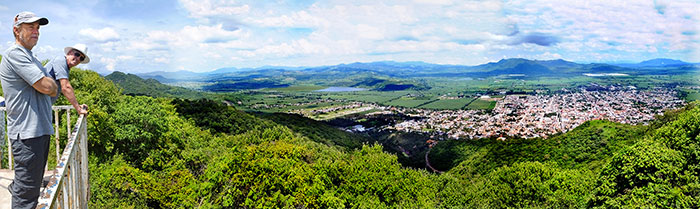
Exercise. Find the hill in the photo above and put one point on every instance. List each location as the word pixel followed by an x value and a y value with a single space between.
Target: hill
pixel 659 62
pixel 137 86
pixel 170 77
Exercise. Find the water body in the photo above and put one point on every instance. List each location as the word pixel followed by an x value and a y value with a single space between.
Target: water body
pixel 341 89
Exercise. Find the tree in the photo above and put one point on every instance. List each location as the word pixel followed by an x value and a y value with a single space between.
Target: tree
pixel 648 174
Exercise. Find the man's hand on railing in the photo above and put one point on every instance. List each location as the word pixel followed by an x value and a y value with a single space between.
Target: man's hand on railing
pixel 83 109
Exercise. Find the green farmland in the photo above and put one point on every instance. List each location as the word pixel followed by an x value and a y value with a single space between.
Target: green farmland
pixel 481 104
pixel 448 104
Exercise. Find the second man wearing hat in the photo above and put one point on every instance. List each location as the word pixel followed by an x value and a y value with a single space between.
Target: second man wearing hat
pixel 59 69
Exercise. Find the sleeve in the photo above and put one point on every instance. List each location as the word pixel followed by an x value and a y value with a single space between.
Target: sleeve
pixel 24 66
pixel 61 68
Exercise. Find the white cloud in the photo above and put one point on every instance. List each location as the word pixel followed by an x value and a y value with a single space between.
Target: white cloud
pixel 48 50
pixel 298 19
pixel 112 63
pixel 548 56
pixel 109 63
pixel 249 33
pixel 438 2
pixel 628 27
pixel 100 35
pixel 161 60
pixel 209 8
pixel 369 32
pixel 188 36
pixel 124 57
pixel 296 47
pixel 359 28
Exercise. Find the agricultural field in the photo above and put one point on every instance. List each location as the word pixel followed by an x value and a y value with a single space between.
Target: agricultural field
pixel 408 102
pixel 378 97
pixel 481 104
pixel 340 113
pixel 448 104
pixel 695 96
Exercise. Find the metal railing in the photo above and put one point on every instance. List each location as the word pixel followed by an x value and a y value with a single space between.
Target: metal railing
pixel 68 185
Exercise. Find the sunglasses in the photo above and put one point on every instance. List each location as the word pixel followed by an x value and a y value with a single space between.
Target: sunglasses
pixel 77 54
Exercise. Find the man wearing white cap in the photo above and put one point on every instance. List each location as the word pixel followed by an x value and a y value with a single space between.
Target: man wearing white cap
pixel 28 92
pixel 59 69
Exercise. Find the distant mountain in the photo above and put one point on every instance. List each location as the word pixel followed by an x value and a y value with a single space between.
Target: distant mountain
pixel 230 70
pixel 404 73
pixel 558 63
pixel 660 62
pixel 225 70
pixel 515 66
pixel 170 77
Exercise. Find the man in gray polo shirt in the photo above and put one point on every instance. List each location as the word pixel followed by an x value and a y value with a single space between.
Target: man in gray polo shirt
pixel 28 93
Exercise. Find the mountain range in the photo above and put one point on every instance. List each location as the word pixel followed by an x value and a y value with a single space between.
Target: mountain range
pixel 512 66
pixel 660 62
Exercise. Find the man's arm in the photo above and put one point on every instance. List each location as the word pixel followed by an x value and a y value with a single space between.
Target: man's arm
pixel 46 86
pixel 26 67
pixel 67 90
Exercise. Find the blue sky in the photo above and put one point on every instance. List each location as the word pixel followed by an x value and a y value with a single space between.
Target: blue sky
pixel 138 36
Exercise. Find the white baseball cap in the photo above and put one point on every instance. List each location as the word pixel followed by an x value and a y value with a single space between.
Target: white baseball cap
pixel 29 17
pixel 81 48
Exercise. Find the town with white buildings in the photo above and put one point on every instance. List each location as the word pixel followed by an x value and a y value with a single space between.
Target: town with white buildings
pixel 529 116
pixel 514 116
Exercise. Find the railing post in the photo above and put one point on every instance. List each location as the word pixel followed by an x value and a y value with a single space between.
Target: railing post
pixel 68 123
pixel 84 174
pixel 6 138
pixel 56 136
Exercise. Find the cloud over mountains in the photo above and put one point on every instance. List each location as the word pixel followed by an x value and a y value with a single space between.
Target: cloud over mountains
pixel 209 34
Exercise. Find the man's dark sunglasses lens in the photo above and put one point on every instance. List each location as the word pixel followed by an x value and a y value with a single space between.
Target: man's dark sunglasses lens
pixel 77 54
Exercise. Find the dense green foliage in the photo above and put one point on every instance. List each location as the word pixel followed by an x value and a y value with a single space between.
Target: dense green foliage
pixel 316 131
pixel 660 171
pixel 167 153
pixel 218 117
pixel 588 146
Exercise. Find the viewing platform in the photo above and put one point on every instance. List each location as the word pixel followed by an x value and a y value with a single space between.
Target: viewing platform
pixel 6 176
pixel 67 185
